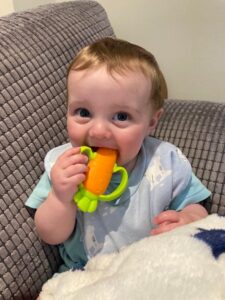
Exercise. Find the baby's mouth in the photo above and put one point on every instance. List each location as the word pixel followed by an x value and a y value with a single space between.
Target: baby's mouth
pixel 94 149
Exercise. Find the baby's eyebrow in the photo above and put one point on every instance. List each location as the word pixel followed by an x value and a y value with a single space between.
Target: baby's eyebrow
pixel 79 102
pixel 127 108
pixel 74 103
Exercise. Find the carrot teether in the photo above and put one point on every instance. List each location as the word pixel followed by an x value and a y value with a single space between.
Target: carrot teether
pixel 102 164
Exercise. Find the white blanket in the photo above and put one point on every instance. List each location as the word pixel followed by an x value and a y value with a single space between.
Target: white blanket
pixel 187 263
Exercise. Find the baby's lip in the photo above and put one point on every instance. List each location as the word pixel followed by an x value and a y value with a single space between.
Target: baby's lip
pixel 95 148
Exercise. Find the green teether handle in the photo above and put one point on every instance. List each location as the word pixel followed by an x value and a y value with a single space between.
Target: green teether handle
pixel 121 187
pixel 87 150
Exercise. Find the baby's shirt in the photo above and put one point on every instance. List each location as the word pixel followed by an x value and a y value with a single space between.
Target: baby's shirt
pixel 162 179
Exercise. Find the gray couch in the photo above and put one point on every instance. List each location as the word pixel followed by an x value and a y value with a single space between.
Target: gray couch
pixel 36 48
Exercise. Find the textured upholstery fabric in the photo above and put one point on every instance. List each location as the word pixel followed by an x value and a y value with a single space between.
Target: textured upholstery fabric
pixel 198 128
pixel 35 49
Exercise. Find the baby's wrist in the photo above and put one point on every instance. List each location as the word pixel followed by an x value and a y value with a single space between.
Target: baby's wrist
pixel 61 201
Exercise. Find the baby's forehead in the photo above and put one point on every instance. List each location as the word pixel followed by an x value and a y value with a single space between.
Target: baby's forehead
pixel 128 83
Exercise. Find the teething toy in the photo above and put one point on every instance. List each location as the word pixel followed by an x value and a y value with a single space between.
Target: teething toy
pixel 102 164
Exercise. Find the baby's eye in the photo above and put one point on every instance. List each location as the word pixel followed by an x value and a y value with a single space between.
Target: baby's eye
pixel 121 116
pixel 82 112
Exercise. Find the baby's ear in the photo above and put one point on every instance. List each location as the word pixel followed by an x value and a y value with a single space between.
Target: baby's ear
pixel 155 119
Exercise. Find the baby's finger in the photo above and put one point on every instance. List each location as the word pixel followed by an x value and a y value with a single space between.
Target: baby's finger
pixel 77 179
pixel 163 228
pixel 166 216
pixel 75 170
pixel 76 159
pixel 70 152
pixel 73 159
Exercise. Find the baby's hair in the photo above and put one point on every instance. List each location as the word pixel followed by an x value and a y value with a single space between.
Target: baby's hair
pixel 120 56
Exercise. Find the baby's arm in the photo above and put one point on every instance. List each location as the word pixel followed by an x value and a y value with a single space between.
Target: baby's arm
pixel 170 219
pixel 56 216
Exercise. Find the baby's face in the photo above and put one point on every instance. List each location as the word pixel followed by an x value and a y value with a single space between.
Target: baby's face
pixel 110 111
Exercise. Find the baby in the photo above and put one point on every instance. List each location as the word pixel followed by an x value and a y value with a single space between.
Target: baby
pixel 116 93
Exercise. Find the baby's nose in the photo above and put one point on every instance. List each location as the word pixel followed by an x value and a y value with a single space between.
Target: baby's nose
pixel 100 130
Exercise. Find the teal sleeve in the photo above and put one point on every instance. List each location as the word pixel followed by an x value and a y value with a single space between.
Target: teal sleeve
pixel 194 192
pixel 40 192
pixel 72 251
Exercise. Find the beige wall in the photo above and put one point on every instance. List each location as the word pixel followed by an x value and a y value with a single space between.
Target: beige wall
pixel 186 36
pixel 25 4
pixel 6 7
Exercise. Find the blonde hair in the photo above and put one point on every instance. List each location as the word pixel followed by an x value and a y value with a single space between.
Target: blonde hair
pixel 120 56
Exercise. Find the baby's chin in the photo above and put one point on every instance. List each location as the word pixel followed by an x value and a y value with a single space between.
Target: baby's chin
pixel 129 166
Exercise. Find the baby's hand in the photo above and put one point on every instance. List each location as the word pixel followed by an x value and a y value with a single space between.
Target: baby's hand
pixel 67 173
pixel 170 219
